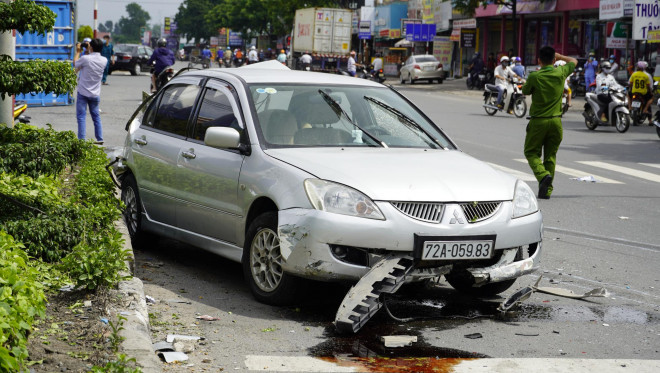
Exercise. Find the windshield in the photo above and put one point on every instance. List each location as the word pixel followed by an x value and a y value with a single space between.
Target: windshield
pixel 123 48
pixel 425 59
pixel 312 115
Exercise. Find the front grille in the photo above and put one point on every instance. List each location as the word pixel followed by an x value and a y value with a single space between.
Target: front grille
pixel 430 212
pixel 479 211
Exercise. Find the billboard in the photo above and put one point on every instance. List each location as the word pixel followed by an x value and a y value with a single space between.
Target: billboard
pixel 646 17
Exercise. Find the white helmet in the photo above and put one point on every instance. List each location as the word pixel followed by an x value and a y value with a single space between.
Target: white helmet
pixel 504 58
pixel 560 63
pixel 253 47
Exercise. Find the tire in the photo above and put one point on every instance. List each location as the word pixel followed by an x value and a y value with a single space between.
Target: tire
pixel 622 121
pixel 410 79
pixel 440 81
pixel 591 122
pixel 190 65
pixel 463 285
pixel 636 117
pixel 491 100
pixel 132 213
pixel 401 80
pixel 136 70
pixel 469 84
pixel 573 92
pixel 657 130
pixel 520 107
pixel 262 263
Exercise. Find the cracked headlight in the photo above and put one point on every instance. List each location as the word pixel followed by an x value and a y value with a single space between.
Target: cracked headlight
pixel 340 199
pixel 524 200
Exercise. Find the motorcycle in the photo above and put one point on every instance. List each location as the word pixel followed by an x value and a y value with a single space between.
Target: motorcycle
pixel 226 62
pixel 637 106
pixel 19 112
pixel 477 81
pixel 512 99
pixel 238 62
pixel 564 101
pixel 656 121
pixel 599 112
pixel 577 84
pixel 164 77
pixel 377 75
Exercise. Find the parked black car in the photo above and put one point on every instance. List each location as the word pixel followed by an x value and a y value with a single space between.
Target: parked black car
pixel 131 57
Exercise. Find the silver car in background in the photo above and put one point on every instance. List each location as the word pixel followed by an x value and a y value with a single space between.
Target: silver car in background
pixel 421 67
pixel 310 175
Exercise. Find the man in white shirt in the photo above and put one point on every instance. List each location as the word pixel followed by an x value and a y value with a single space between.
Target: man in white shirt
pixel 253 55
pixel 350 67
pixel 502 73
pixel 91 67
pixel 605 78
pixel 305 60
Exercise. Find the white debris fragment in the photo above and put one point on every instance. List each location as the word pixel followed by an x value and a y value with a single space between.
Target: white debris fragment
pixel 87 303
pixel 588 179
pixel 624 217
pixel 150 299
pixel 398 340
pixel 171 357
pixel 172 337
pixel 185 346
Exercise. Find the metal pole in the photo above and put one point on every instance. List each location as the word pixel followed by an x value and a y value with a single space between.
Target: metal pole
pixel 7 40
pixel 96 21
pixel 515 34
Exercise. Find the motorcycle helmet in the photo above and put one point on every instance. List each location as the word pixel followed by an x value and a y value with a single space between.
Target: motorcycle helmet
pixel 162 42
pixel 228 48
pixel 606 66
pixel 282 51
pixel 642 65
pixel 504 58
pixel 518 59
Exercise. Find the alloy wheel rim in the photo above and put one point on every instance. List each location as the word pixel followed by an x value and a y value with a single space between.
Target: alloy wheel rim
pixel 138 69
pixel 131 212
pixel 266 260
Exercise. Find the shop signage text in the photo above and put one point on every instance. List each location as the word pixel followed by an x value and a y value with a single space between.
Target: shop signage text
pixel 646 17
pixel 614 9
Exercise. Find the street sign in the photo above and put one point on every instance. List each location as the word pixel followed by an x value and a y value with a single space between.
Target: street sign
pixel 646 17
pixel 420 32
pixel 365 30
pixel 468 37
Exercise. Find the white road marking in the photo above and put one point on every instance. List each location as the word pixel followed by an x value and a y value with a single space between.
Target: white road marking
pixel 519 174
pixel 577 173
pixel 624 170
pixel 503 365
pixel 656 165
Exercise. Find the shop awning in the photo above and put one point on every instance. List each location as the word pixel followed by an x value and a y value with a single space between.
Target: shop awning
pixel 403 43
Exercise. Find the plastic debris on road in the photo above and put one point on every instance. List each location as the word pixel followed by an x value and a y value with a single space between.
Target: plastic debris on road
pixel 150 299
pixel 524 293
pixel 398 340
pixel 171 337
pixel 588 179
pixel 173 356
pixel 162 346
pixel 474 336
pixel 207 318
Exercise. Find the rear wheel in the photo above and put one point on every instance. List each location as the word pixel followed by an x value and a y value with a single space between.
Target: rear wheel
pixel 262 263
pixel 440 81
pixel 410 79
pixel 133 211
pixel 492 101
pixel 520 107
pixel 401 80
pixel 636 117
pixel 590 118
pixel 136 69
pixel 622 121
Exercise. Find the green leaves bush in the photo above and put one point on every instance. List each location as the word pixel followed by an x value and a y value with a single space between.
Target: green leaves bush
pixel 26 16
pixel 21 300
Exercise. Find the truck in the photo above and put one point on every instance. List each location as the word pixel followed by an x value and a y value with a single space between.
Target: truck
pixel 325 33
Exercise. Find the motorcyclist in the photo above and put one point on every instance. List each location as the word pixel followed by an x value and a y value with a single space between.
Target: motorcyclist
pixel 567 88
pixel 282 56
pixel 604 81
pixel 219 55
pixel 377 64
pixel 615 66
pixel 253 55
pixel 227 56
pixel 163 58
pixel 519 69
pixel 238 57
pixel 502 74
pixel 641 83
pixel 476 64
pixel 305 60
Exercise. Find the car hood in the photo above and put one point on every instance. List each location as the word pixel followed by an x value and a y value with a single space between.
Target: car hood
pixel 390 174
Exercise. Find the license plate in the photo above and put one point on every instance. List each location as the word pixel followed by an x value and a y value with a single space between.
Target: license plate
pixel 636 104
pixel 454 248
pixel 482 76
pixel 428 68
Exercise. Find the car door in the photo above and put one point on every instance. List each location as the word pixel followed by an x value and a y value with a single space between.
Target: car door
pixel 210 176
pixel 156 145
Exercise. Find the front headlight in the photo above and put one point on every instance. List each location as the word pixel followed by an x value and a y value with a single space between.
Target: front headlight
pixel 524 200
pixel 340 199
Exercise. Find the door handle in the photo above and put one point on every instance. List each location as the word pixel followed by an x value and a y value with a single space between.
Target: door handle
pixel 189 155
pixel 140 141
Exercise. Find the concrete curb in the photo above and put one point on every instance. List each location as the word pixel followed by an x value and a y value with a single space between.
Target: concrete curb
pixel 137 337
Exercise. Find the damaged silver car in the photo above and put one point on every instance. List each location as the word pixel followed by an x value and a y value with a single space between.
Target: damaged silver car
pixel 297 174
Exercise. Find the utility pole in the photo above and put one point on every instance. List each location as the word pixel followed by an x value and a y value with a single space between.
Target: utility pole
pixel 515 34
pixel 7 41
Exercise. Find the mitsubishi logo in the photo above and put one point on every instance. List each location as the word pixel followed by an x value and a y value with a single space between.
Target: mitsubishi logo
pixel 457 218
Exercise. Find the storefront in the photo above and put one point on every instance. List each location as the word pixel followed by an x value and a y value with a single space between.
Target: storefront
pixel 387 32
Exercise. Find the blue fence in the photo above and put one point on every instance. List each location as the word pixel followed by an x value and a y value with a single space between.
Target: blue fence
pixel 59 44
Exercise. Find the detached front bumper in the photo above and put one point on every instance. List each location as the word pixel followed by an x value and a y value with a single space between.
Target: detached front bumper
pixel 309 240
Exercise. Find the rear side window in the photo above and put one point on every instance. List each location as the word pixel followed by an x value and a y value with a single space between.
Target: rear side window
pixel 175 108
pixel 215 111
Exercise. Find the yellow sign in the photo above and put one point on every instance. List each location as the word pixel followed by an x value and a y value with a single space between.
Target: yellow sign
pixel 395 33
pixel 653 36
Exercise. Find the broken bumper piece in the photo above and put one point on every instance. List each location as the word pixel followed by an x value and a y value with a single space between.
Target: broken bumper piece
pixel 363 300
pixel 507 268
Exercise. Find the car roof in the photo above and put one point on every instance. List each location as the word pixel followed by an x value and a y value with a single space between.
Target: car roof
pixel 274 72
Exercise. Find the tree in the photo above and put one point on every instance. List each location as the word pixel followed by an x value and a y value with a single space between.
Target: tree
pixel 106 27
pixel 190 19
pixel 85 31
pixel 130 27
pixel 155 30
pixel 35 75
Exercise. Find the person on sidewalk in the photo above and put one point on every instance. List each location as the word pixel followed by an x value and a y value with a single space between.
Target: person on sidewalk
pixel 544 131
pixel 91 67
pixel 107 52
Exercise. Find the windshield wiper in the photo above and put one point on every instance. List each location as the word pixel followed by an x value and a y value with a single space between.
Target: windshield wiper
pixel 339 111
pixel 406 120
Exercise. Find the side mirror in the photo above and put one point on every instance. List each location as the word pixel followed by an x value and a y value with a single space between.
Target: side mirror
pixel 222 137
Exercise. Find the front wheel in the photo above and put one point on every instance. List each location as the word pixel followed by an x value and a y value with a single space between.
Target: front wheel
pixel 590 118
pixel 136 69
pixel 491 100
pixel 622 122
pixel 520 107
pixel 262 263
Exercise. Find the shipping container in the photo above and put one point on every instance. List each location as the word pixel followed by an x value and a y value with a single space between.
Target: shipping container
pixel 322 31
pixel 58 44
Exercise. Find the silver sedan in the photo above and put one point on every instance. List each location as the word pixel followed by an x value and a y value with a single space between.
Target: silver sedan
pixel 309 175
pixel 421 67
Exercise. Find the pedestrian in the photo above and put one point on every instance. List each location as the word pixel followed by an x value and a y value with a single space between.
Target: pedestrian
pixel 350 66
pixel 91 67
pixel 590 68
pixel 544 130
pixel 107 52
